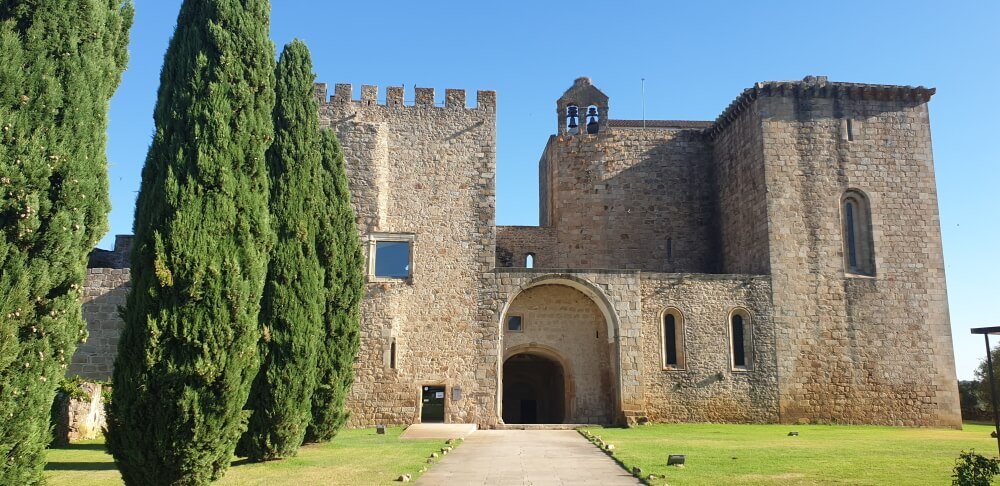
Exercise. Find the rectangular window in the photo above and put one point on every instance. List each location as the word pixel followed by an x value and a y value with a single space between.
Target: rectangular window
pixel 392 259
pixel 390 256
pixel 515 323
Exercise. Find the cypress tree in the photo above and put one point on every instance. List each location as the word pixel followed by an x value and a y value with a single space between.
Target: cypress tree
pixel 340 254
pixel 60 63
pixel 188 351
pixel 292 305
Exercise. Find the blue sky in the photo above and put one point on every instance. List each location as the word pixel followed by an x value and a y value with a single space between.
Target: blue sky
pixel 695 56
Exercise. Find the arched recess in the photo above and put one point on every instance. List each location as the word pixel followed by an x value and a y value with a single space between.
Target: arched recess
pixel 590 406
pixel 567 389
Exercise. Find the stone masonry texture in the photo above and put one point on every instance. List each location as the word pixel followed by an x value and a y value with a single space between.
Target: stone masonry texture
pixel 700 219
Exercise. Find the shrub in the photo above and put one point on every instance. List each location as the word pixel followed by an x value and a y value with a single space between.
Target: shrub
pixel 973 469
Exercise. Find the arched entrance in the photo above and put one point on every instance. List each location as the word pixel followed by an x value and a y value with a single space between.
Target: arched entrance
pixel 560 356
pixel 534 390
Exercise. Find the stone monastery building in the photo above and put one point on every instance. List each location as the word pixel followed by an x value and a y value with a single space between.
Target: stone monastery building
pixel 782 263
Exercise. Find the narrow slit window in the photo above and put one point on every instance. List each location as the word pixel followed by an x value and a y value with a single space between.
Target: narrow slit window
pixel 670 249
pixel 859 245
pixel 670 330
pixel 673 340
pixel 741 341
pixel 529 261
pixel 392 354
pixel 739 351
pixel 850 130
pixel 852 237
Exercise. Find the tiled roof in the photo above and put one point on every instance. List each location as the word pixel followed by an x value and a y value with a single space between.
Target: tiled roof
pixel 659 124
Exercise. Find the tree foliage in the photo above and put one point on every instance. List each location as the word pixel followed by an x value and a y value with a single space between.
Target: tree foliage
pixel 60 63
pixel 973 469
pixel 188 352
pixel 977 400
pixel 292 305
pixel 340 254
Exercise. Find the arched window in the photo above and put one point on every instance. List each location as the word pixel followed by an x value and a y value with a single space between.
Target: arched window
pixel 740 340
pixel 529 261
pixel 573 119
pixel 859 247
pixel 673 339
pixel 593 119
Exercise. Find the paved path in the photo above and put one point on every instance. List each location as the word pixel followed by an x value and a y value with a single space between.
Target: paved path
pixel 526 457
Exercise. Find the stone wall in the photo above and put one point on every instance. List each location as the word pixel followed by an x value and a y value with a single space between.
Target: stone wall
pixel 707 388
pixel 856 349
pixel 103 293
pixel 742 195
pixel 515 243
pixel 428 171
pixel 632 199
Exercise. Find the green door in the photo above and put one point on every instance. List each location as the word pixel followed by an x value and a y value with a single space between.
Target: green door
pixel 432 409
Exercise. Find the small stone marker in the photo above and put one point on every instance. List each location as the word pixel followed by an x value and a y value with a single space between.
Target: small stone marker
pixel 677 459
pixel 380 429
pixel 793 434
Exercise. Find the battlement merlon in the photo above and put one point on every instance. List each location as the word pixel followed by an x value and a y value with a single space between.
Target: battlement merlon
pixel 394 96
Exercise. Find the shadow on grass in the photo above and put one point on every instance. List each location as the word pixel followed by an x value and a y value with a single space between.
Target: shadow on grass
pixel 80 447
pixel 80 466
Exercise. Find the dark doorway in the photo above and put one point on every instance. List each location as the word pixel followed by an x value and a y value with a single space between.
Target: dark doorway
pixel 534 390
pixel 432 408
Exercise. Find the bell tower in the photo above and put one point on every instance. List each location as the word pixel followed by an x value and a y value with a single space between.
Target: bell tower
pixel 582 109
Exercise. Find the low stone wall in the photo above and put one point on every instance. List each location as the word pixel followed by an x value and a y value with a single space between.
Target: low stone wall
pixel 103 293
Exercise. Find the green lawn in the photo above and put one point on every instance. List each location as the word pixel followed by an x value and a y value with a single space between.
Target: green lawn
pixel 821 454
pixel 354 457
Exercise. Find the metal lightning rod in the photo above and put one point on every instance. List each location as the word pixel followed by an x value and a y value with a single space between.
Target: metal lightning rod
pixel 643 102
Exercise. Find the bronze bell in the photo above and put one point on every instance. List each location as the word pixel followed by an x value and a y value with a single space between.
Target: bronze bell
pixel 592 124
pixel 572 113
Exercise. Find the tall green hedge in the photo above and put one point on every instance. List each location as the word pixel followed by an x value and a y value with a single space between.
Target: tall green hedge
pixel 340 253
pixel 293 293
pixel 60 63
pixel 188 351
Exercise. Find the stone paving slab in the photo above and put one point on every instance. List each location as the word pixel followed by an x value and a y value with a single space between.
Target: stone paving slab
pixel 527 457
pixel 438 431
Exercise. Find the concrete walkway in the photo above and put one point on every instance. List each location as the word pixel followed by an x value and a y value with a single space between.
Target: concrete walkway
pixel 526 457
